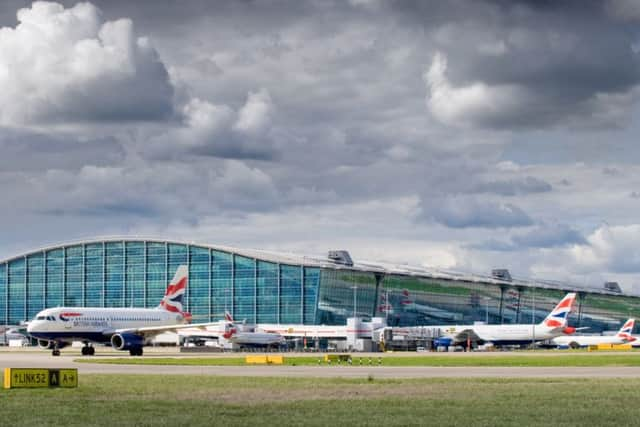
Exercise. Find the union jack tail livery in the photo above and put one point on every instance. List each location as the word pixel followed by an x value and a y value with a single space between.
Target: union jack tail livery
pixel 172 300
pixel 626 330
pixel 385 306
pixel 406 297
pixel 559 317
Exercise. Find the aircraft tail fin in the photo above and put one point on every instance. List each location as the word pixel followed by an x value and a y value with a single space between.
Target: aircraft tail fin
pixel 626 330
pixel 406 297
pixel 173 297
pixel 559 317
pixel 227 316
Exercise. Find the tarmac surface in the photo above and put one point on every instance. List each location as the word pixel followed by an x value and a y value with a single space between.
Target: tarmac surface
pixel 43 359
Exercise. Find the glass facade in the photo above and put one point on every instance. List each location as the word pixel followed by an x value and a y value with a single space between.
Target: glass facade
pixel 415 301
pixel 135 273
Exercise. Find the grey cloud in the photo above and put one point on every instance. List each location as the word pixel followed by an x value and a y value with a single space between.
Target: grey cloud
pixel 611 171
pixel 624 10
pixel 541 236
pixel 219 131
pixel 458 212
pixel 527 185
pixel 566 66
pixel 31 151
pixel 549 237
pixel 492 245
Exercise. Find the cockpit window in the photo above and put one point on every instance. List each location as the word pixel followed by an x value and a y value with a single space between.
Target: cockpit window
pixel 50 318
pixel 40 318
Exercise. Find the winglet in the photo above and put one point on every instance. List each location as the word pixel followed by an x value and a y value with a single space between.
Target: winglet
pixel 227 316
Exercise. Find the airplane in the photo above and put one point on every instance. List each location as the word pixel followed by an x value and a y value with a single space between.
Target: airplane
pixel 124 328
pixel 242 334
pixel 575 341
pixel 408 304
pixel 555 324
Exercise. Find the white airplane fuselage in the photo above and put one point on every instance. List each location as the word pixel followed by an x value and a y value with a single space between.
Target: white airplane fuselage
pixel 67 324
pixel 587 340
pixel 506 334
pixel 256 338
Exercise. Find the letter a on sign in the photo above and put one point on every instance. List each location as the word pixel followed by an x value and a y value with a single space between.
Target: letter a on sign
pixel 54 378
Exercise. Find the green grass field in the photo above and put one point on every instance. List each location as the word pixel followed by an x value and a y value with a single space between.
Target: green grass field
pixel 541 360
pixel 108 400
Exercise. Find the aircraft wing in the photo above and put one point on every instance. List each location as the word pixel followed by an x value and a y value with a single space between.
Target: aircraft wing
pixel 151 331
pixel 462 334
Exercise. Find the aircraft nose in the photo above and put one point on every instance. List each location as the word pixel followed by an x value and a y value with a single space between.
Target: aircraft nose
pixel 33 326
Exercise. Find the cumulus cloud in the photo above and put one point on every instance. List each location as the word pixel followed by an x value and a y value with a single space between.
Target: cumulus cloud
pixel 546 76
pixel 254 116
pixel 614 249
pixel 476 102
pixel 219 131
pixel 71 65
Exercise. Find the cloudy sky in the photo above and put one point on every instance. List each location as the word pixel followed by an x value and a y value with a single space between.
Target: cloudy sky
pixel 460 135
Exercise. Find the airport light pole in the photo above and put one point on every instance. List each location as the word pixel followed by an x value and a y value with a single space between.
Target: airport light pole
pixel 486 312
pixel 533 321
pixel 226 300
pixel 355 300
pixel 386 306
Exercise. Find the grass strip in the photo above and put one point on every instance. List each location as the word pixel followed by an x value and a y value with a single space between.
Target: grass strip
pixel 560 360
pixel 108 400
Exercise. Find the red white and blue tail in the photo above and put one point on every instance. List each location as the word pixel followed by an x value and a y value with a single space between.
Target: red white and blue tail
pixel 172 300
pixel 626 330
pixel 559 317
pixel 406 298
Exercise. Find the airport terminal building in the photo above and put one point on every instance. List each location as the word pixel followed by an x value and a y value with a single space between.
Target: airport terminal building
pixel 266 287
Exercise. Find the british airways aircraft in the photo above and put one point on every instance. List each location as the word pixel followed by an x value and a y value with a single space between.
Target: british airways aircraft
pixel 554 325
pixel 623 336
pixel 239 333
pixel 124 328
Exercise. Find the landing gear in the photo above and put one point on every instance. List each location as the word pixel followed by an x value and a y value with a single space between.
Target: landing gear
pixel 88 350
pixel 137 351
pixel 56 350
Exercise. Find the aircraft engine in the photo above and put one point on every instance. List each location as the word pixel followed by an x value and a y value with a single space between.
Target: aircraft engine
pixel 126 341
pixel 45 344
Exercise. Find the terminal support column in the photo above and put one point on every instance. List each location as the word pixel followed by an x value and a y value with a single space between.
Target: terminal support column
pixel 376 296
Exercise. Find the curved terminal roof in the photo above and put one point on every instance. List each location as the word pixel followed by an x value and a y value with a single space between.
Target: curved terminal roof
pixel 325 262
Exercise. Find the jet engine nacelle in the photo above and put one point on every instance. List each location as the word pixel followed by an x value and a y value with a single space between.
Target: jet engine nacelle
pixel 50 345
pixel 126 341
pixel 45 344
